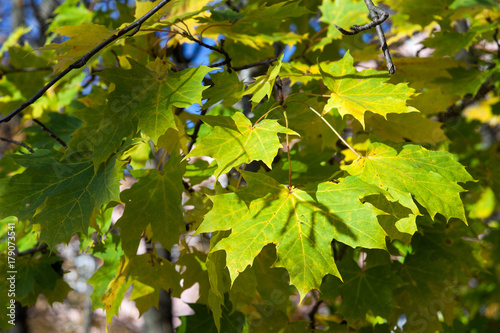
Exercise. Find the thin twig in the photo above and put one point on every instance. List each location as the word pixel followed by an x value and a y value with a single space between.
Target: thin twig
pixel 220 50
pixel 51 134
pixel 330 126
pixel 19 143
pixel 312 314
pixel 268 62
pixel 378 17
pixel 134 27
pixel 336 133
pixel 196 130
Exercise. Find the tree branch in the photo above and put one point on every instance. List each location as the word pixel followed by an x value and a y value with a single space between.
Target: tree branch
pixel 220 50
pixel 51 134
pixel 267 62
pixel 196 130
pixel 134 27
pixel 19 143
pixel 378 16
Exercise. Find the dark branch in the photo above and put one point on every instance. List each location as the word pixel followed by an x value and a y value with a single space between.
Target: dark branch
pixel 267 62
pixel 220 50
pixel 19 143
pixel 51 134
pixel 495 38
pixel 378 16
pixel 312 314
pixel 83 60
pixel 196 130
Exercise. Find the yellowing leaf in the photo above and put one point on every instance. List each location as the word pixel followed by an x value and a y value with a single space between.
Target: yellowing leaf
pixel 412 171
pixel 343 13
pixel 301 222
pixel 356 92
pixel 405 126
pixel 83 38
pixel 150 273
pixel 234 140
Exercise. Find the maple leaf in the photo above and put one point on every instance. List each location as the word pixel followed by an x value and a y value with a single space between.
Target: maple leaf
pixel 409 170
pixel 68 189
pixel 227 87
pixel 234 140
pixel 83 38
pixel 342 13
pixel 405 126
pixel 363 290
pixel 356 92
pixel 263 85
pixel 157 198
pixel 301 222
pixel 110 252
pixel 143 99
pixel 151 95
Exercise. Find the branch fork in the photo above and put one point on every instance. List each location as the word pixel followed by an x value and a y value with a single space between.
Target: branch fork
pixel 378 17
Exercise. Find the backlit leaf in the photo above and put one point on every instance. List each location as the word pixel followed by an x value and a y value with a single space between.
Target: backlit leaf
pixel 355 92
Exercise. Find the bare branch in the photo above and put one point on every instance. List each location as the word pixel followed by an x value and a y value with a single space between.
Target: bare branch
pixel 378 16
pixel 51 134
pixel 19 143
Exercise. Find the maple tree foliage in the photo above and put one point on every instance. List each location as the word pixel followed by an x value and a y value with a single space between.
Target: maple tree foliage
pixel 372 197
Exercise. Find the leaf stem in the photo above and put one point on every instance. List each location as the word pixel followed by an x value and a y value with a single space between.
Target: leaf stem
pixel 51 134
pixel 288 152
pixel 333 129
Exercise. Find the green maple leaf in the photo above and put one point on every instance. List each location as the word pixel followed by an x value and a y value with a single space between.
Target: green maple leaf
pixel 157 199
pixel 355 92
pixel 424 12
pixel 68 189
pixel 152 95
pixel 363 290
pixel 407 171
pixel 142 99
pixel 102 133
pixel 227 87
pixel 234 140
pixel 36 274
pixel 342 13
pixel 218 277
pixel 301 222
